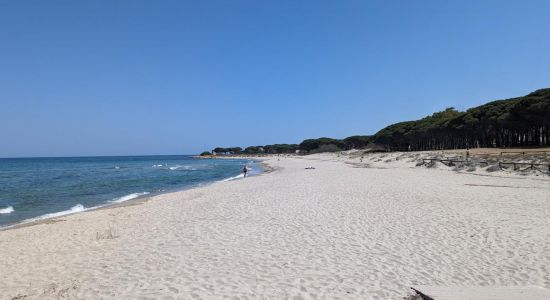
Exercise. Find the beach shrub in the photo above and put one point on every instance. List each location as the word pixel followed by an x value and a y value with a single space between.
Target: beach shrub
pixel 492 168
pixel 206 153
pixel 431 164
pixel 109 234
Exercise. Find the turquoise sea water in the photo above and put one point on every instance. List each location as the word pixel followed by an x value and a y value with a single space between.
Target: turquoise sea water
pixel 34 188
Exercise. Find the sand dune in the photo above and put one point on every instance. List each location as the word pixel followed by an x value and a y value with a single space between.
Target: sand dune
pixel 334 232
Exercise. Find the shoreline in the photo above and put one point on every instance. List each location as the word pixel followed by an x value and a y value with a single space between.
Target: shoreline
pixel 334 231
pixel 265 168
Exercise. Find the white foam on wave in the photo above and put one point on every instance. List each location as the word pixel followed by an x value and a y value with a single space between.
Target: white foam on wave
pixel 75 209
pixel 180 167
pixel 233 178
pixel 7 210
pixel 129 197
pixel 156 166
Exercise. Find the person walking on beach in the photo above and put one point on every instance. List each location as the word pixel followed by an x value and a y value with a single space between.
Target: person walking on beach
pixel 245 170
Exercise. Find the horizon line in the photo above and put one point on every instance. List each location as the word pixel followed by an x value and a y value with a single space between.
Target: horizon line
pixel 76 156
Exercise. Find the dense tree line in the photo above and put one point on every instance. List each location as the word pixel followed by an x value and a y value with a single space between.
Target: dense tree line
pixel 310 145
pixel 357 141
pixel 231 150
pixel 307 146
pixel 325 144
pixel 516 122
pixel 271 149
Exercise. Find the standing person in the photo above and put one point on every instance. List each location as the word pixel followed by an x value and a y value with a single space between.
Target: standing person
pixel 245 170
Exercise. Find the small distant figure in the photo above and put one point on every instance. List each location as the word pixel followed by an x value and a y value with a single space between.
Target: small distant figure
pixel 245 170
pixel 467 153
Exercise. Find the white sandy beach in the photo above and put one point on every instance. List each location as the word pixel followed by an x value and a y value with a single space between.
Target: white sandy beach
pixel 339 231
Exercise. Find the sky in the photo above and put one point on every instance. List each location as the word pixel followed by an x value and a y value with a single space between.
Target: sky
pixel 80 78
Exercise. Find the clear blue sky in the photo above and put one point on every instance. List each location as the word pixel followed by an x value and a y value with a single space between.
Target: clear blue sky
pixel 178 77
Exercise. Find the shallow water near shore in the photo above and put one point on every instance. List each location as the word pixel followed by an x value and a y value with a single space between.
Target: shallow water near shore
pixel 37 188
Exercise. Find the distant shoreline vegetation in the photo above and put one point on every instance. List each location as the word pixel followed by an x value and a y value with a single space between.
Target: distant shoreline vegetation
pixel 516 122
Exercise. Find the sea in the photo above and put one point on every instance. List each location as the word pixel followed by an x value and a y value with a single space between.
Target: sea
pixel 32 189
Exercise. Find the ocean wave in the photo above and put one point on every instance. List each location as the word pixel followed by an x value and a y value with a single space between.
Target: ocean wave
pixel 128 197
pixel 7 210
pixel 233 178
pixel 157 166
pixel 184 167
pixel 77 208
